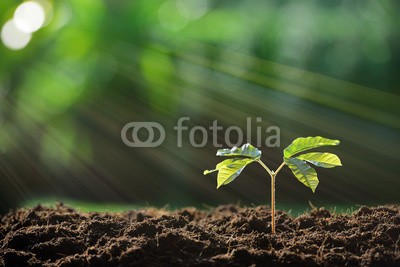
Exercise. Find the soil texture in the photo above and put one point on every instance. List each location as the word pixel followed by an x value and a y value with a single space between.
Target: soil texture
pixel 224 236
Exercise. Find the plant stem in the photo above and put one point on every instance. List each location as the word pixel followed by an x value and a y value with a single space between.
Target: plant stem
pixel 279 168
pixel 273 203
pixel 273 175
pixel 265 167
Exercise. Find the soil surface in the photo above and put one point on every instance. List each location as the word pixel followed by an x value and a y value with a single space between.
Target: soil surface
pixel 226 235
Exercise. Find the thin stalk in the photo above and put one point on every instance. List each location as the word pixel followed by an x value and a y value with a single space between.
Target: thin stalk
pixel 279 168
pixel 265 167
pixel 273 204
pixel 273 175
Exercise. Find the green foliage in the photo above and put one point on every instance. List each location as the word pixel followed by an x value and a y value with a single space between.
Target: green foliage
pixel 231 168
pixel 246 150
pixel 305 143
pixel 303 172
pixel 324 160
pixel 300 169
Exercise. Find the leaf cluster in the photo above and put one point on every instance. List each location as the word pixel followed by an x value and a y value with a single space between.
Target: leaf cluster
pixel 299 164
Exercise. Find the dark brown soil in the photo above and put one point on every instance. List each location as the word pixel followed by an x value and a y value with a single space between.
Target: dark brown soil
pixel 226 235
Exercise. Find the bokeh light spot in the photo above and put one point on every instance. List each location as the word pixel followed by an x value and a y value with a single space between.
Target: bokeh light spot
pixel 12 37
pixel 48 11
pixel 192 9
pixel 29 16
pixel 170 18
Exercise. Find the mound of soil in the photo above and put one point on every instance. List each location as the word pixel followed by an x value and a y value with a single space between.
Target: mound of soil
pixel 226 235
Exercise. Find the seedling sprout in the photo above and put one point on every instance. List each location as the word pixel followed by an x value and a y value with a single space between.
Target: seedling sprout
pixel 240 157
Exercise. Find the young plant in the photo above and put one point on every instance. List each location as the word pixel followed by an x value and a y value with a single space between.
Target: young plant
pixel 231 168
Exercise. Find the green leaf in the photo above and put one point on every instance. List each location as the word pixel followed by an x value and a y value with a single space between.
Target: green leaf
pixel 305 143
pixel 325 160
pixel 247 150
pixel 303 172
pixel 220 165
pixel 229 169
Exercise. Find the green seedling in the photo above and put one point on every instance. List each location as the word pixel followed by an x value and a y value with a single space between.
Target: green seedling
pixel 240 157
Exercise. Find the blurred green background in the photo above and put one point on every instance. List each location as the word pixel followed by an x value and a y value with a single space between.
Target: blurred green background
pixel 327 68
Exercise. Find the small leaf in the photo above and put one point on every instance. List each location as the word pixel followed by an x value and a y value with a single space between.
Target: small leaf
pixel 228 173
pixel 305 143
pixel 229 169
pixel 220 165
pixel 303 172
pixel 325 160
pixel 247 150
